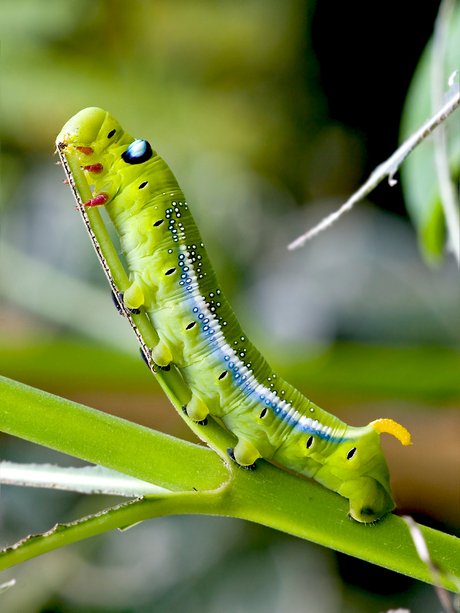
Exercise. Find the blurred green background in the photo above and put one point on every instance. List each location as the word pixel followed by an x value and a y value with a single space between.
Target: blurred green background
pixel 270 114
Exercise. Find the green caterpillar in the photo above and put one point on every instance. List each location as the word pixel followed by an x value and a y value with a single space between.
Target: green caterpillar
pixel 172 278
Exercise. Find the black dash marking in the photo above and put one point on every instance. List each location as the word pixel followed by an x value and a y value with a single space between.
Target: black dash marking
pixel 223 375
pixel 170 271
pixel 263 413
pixel 111 133
pixel 310 442
pixel 351 453
pixel 143 184
pixel 158 223
pixel 190 326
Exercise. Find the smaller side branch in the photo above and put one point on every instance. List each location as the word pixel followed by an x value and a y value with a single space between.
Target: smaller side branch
pixel 388 168
pixel 85 480
pixel 122 516
pixel 436 574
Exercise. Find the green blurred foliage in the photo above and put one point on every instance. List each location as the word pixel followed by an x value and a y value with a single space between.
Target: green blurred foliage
pixel 421 374
pixel 226 92
pixel 205 76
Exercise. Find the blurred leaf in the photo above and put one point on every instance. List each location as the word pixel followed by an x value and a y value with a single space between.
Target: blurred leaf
pixel 424 373
pixel 432 231
pixel 227 94
pixel 418 173
pixel 35 21
pixel 353 370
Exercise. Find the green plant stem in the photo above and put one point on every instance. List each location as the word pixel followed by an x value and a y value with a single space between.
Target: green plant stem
pixel 269 496
pixel 110 441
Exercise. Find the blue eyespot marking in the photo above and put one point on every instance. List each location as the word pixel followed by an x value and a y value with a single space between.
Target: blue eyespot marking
pixel 138 152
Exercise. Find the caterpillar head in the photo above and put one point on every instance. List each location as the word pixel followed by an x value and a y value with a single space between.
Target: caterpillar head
pixel 361 466
pixel 91 129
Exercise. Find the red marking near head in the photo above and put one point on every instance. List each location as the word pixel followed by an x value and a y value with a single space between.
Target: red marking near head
pixel 94 168
pixel 66 181
pixel 85 150
pixel 98 201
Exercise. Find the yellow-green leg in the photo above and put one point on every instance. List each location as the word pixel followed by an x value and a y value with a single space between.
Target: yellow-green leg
pixel 133 298
pixel 244 454
pixel 196 410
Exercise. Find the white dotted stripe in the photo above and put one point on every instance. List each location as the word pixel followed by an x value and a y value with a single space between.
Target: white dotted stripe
pixel 242 376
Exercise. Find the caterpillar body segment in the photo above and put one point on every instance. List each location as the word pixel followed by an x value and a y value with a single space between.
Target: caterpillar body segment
pixel 172 278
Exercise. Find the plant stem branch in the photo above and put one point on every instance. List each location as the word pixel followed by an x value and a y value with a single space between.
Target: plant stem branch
pixel 85 480
pixel 388 168
pixel 107 440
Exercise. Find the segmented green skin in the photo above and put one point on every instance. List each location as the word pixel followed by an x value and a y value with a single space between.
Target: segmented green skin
pixel 168 263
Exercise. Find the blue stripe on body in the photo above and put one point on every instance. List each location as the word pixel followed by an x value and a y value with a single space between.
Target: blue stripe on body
pixel 248 385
